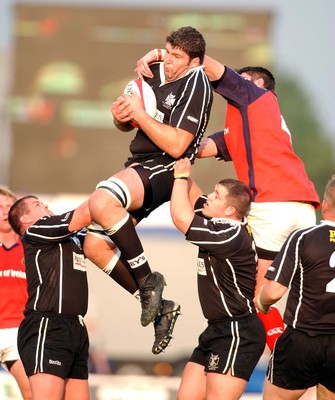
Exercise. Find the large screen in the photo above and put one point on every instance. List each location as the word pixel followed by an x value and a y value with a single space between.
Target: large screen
pixel 70 64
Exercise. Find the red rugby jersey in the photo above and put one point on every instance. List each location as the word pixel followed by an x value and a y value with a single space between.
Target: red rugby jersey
pixel 13 285
pixel 258 142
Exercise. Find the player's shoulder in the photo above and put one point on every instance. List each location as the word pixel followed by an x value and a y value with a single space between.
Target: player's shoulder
pixel 200 71
pixel 302 236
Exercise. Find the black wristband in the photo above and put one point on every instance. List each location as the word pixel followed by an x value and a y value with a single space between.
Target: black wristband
pixel 181 177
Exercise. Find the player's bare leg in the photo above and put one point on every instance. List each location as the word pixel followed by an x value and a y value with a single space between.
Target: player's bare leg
pixel 271 392
pixel 109 206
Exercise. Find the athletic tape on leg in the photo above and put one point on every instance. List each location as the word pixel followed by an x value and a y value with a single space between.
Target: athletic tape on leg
pixel 98 231
pixel 112 262
pixel 118 189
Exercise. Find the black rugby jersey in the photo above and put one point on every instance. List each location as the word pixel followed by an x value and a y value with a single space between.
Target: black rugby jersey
pixel 55 267
pixel 226 267
pixel 185 103
pixel 306 264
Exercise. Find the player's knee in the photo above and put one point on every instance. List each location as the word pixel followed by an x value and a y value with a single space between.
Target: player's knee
pixel 117 189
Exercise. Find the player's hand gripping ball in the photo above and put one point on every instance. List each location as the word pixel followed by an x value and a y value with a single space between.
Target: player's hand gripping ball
pixel 146 94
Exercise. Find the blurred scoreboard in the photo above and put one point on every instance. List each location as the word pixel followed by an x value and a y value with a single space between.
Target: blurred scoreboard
pixel 70 63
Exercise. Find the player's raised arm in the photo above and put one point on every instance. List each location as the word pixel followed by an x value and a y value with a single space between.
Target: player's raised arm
pixel 213 68
pixel 142 68
pixel 181 208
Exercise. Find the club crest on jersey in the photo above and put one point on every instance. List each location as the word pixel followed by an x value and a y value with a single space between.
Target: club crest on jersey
pixel 79 262
pixel 169 101
pixel 213 362
pixel 331 235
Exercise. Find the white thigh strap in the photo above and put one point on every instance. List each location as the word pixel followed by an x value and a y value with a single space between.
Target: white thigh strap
pixel 116 188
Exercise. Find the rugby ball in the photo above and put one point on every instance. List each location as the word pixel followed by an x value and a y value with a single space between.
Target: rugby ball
pixel 146 94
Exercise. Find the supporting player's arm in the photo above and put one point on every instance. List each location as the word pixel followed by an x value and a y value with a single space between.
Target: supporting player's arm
pixel 269 294
pixel 207 148
pixel 180 206
pixel 213 68
pixel 142 68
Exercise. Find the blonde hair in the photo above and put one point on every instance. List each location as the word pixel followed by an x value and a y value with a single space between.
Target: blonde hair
pixel 5 191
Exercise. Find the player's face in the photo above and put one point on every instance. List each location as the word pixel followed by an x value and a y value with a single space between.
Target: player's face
pixel 36 209
pixel 216 205
pixel 5 204
pixel 177 63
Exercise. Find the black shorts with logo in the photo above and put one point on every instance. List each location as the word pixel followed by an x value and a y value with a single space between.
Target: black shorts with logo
pixel 300 361
pixel 231 344
pixel 157 177
pixel 54 344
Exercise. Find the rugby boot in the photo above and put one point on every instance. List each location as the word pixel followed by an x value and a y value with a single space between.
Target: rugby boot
pixel 164 324
pixel 151 297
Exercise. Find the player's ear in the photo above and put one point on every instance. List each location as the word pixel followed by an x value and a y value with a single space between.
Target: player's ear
pixel 324 206
pixel 230 210
pixel 195 62
pixel 259 82
pixel 25 219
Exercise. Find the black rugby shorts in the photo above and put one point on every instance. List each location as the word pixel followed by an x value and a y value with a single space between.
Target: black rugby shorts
pixel 232 344
pixel 56 345
pixel 300 361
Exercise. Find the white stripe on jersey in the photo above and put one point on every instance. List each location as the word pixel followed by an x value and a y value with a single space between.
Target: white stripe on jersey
pixel 61 266
pixel 29 233
pixel 236 285
pixel 297 264
pixel 210 232
pixel 221 294
pixel 282 262
pixel 39 278
pixel 181 118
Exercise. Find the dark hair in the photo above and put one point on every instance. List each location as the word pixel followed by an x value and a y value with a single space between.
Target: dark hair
pixel 239 195
pixel 190 41
pixel 260 72
pixel 18 209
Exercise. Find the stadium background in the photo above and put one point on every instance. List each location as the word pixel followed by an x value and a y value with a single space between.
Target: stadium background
pixel 64 67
